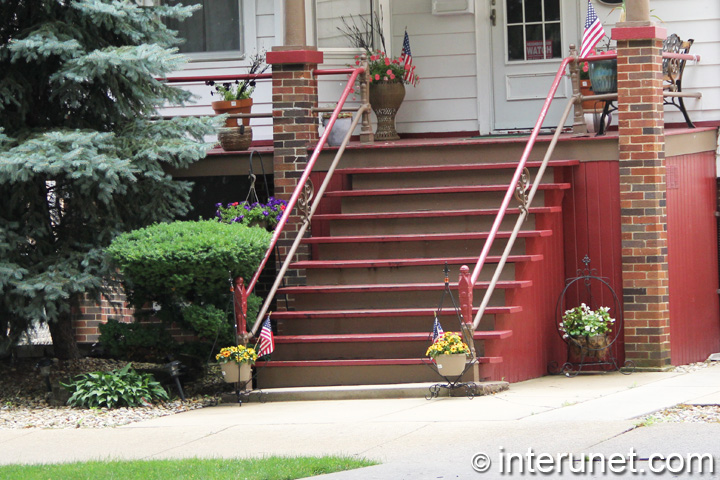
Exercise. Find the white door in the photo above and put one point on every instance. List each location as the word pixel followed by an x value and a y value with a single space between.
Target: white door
pixel 529 40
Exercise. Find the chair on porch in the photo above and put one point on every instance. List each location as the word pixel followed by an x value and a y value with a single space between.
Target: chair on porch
pixel 673 69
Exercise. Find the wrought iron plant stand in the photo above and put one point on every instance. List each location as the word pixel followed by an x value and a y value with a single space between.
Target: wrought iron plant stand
pixel 597 355
pixel 453 383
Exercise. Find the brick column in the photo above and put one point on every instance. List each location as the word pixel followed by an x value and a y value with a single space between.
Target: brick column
pixel 295 127
pixel 642 194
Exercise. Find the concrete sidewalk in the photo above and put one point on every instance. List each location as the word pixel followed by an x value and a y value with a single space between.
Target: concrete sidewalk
pixel 413 438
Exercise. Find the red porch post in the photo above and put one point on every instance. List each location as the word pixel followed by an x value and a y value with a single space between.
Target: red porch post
pixel 643 191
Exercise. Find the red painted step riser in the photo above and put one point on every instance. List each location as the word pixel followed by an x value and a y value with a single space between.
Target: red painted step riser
pixel 430 237
pixel 383 313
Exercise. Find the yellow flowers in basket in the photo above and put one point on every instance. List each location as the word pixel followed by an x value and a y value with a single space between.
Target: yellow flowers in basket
pixel 449 343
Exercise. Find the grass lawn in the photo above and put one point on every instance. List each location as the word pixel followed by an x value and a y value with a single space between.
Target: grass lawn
pixel 269 468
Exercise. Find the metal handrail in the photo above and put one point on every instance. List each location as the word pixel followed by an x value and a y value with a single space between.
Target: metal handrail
pixel 354 73
pixel 515 184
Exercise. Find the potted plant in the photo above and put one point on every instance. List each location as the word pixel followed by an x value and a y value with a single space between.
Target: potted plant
pixel 340 127
pixel 236 97
pixel 256 214
pixel 450 354
pixel 236 363
pixel 587 331
pixel 387 74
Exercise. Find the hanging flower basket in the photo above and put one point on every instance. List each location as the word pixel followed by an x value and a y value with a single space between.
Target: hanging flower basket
pixel 451 365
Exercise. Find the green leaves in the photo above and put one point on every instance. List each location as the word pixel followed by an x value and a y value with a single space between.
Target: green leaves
pixel 119 388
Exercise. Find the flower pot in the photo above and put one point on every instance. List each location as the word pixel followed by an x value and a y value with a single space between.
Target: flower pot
pixel 603 76
pixel 234 106
pixel 233 372
pixel 339 130
pixel 589 106
pixel 233 139
pixel 385 99
pixel 584 348
pixel 451 365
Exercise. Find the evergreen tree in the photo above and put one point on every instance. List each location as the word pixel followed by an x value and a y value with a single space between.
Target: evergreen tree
pixel 81 157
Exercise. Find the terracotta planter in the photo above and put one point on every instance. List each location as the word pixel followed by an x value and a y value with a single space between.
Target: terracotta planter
pixel 385 99
pixel 590 106
pixel 584 349
pixel 234 106
pixel 233 373
pixel 451 365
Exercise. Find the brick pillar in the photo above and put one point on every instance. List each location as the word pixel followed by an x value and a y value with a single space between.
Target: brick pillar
pixel 642 194
pixel 295 127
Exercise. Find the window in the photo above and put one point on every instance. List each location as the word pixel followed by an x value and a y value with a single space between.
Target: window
pixel 214 29
pixel 533 29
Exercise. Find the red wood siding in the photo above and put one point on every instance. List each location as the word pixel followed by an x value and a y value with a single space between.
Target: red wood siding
pixel 534 342
pixel 591 217
pixel 692 257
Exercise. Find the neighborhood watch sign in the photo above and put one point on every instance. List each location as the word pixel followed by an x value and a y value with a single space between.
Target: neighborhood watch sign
pixel 538 49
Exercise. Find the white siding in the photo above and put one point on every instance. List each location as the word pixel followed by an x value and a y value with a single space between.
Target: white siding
pixel 699 20
pixel 265 37
pixel 443 49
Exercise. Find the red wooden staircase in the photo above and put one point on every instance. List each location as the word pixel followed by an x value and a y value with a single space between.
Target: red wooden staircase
pixel 380 241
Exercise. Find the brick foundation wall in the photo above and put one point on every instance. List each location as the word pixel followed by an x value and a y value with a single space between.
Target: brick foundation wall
pixel 90 315
pixel 643 195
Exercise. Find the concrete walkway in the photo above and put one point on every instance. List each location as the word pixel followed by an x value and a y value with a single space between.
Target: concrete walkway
pixel 414 438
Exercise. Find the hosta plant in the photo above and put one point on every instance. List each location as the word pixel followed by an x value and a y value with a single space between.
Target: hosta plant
pixel 118 388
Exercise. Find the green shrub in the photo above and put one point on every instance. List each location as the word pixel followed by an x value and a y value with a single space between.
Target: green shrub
pixel 136 341
pixel 187 262
pixel 119 388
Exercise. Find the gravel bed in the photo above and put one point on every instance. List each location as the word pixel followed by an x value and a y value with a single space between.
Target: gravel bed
pixel 687 413
pixel 25 403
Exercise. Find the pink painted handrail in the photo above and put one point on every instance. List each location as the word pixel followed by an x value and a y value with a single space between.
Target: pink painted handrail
pixel 521 165
pixel 306 174
pixel 218 78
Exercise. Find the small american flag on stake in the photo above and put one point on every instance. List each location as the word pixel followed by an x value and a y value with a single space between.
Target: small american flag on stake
pixel 594 32
pixel 266 342
pixel 406 59
pixel 437 331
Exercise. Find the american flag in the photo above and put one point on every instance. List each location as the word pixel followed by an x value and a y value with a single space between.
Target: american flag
pixel 406 59
pixel 437 331
pixel 594 32
pixel 267 344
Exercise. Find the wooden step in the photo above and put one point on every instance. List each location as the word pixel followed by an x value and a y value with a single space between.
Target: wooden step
pixel 452 167
pixel 431 213
pixel 436 190
pixel 409 262
pixel 384 312
pixel 422 237
pixel 382 337
pixel 398 287
pixel 361 362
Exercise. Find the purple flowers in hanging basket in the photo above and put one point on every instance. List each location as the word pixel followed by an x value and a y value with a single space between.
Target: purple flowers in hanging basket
pixel 251 214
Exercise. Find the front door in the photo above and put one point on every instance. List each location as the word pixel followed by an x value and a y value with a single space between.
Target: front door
pixel 529 40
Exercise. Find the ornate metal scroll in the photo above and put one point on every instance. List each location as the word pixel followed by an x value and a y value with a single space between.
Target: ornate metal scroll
pixel 521 191
pixel 304 200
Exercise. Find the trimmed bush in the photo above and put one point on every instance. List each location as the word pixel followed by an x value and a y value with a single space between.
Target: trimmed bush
pixel 144 342
pixel 188 262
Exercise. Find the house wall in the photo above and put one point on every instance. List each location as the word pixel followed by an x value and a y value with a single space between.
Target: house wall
pixel 692 257
pixel 696 19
